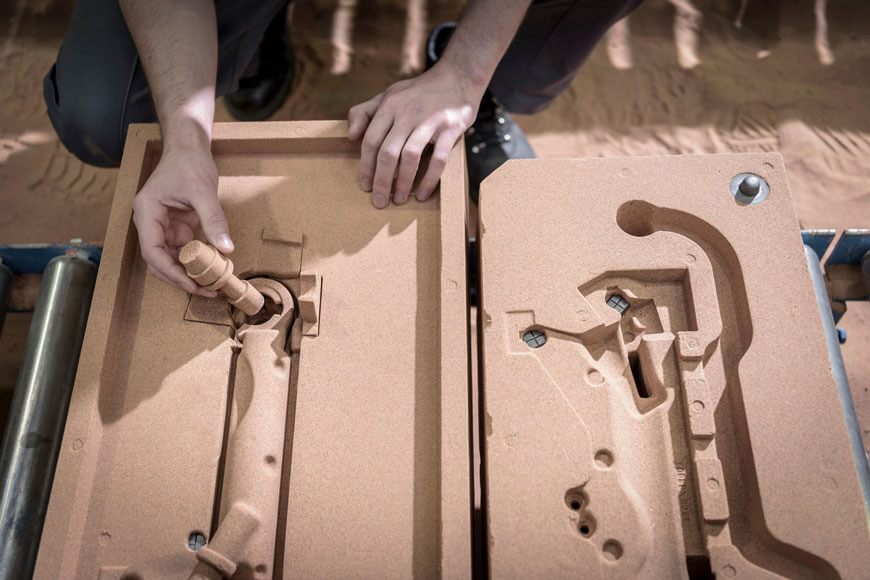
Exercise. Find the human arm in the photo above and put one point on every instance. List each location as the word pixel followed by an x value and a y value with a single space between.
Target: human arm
pixel 177 45
pixel 435 107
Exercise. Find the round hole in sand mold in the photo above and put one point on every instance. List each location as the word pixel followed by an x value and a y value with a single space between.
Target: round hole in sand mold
pixel 603 458
pixel 612 550
pixel 575 499
pixel 270 459
pixel 586 525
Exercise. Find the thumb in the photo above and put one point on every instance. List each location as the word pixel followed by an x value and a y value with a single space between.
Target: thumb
pixel 214 222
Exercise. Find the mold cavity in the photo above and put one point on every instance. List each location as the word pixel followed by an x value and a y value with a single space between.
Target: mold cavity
pixel 603 458
pixel 261 569
pixel 612 550
pixel 269 309
pixel 270 459
pixel 196 541
pixel 576 505
pixel 637 375
pixel 698 568
pixel 635 218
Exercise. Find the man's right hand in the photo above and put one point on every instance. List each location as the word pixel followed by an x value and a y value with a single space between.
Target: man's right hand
pixel 179 195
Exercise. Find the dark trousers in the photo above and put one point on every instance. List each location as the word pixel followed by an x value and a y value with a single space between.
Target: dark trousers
pixel 97 86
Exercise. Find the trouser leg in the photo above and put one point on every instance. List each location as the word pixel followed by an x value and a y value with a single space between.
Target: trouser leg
pixel 553 41
pixel 97 87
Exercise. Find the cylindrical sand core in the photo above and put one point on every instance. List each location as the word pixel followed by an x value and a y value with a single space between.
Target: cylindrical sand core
pixel 214 271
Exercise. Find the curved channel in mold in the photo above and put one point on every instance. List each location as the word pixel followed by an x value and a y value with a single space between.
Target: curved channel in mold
pixel 749 532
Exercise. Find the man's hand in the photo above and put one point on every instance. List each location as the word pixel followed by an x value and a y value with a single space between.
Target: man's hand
pixel 181 193
pixel 435 107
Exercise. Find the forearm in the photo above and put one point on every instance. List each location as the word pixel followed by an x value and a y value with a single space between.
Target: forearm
pixel 177 45
pixel 484 33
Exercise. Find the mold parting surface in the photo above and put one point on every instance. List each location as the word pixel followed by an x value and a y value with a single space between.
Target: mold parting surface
pixel 375 479
pixel 657 394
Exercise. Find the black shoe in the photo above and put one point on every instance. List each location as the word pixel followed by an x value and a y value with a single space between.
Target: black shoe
pixel 493 138
pixel 260 95
pixel 438 42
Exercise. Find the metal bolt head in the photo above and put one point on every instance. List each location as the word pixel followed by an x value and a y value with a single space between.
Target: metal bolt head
pixel 749 188
pixel 535 338
pixel 618 303
pixel 507 137
pixel 196 541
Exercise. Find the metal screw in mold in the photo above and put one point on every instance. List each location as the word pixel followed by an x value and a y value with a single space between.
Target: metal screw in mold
pixel 618 303
pixel 535 338
pixel 196 541
pixel 749 188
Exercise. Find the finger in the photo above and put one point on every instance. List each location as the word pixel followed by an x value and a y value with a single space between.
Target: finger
pixel 359 117
pixel 388 160
pixel 371 145
pixel 437 163
pixel 151 219
pixel 213 220
pixel 410 160
pixel 178 234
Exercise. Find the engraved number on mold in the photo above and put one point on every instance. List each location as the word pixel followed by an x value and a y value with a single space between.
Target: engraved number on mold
pixel 196 541
pixel 618 303
pixel 535 338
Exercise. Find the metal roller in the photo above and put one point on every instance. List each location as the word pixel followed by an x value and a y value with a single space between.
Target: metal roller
pixel 39 407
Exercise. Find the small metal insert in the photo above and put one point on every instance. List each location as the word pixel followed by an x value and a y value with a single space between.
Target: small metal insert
pixel 749 188
pixel 618 303
pixel 196 541
pixel 535 338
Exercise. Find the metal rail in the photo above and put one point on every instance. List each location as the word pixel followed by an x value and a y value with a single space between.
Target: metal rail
pixel 839 371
